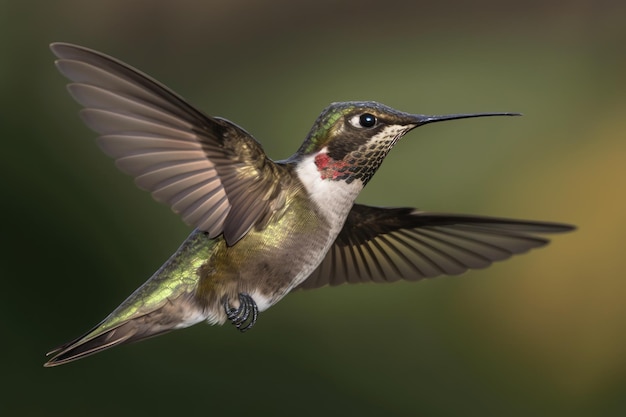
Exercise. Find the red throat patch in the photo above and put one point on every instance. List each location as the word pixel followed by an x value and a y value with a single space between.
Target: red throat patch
pixel 328 168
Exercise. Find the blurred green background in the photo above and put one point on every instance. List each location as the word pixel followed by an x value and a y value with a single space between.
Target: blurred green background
pixel 539 335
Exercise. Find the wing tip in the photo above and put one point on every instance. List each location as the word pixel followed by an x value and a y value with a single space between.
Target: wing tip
pixel 566 227
pixel 61 48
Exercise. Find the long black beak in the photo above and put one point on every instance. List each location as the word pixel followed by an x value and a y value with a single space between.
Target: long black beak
pixel 423 119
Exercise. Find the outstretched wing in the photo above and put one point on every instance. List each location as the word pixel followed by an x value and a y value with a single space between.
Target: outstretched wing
pixel 210 171
pixel 389 244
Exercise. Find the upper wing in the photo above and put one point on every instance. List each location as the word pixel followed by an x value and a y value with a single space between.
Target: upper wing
pixel 389 244
pixel 207 169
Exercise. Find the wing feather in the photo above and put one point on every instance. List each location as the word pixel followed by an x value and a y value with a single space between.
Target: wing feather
pixel 209 170
pixel 389 244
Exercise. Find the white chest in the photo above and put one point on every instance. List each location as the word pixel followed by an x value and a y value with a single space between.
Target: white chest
pixel 333 198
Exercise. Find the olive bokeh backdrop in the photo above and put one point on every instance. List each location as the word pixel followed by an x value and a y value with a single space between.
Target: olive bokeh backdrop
pixel 541 335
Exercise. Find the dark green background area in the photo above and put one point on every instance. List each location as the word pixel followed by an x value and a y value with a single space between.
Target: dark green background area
pixel 539 335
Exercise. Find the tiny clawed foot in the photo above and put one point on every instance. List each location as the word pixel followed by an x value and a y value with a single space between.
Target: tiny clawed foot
pixel 244 316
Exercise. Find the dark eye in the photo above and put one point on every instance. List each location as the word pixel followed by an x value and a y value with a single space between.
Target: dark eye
pixel 363 121
pixel 367 120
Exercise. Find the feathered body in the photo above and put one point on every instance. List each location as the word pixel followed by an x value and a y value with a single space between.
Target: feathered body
pixel 263 227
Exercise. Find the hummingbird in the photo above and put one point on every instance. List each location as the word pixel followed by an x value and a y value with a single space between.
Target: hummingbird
pixel 264 228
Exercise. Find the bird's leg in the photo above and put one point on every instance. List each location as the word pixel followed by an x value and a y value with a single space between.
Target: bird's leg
pixel 244 316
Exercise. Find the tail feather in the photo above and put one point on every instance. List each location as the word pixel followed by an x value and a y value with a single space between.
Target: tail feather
pixel 98 340
pixel 127 325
